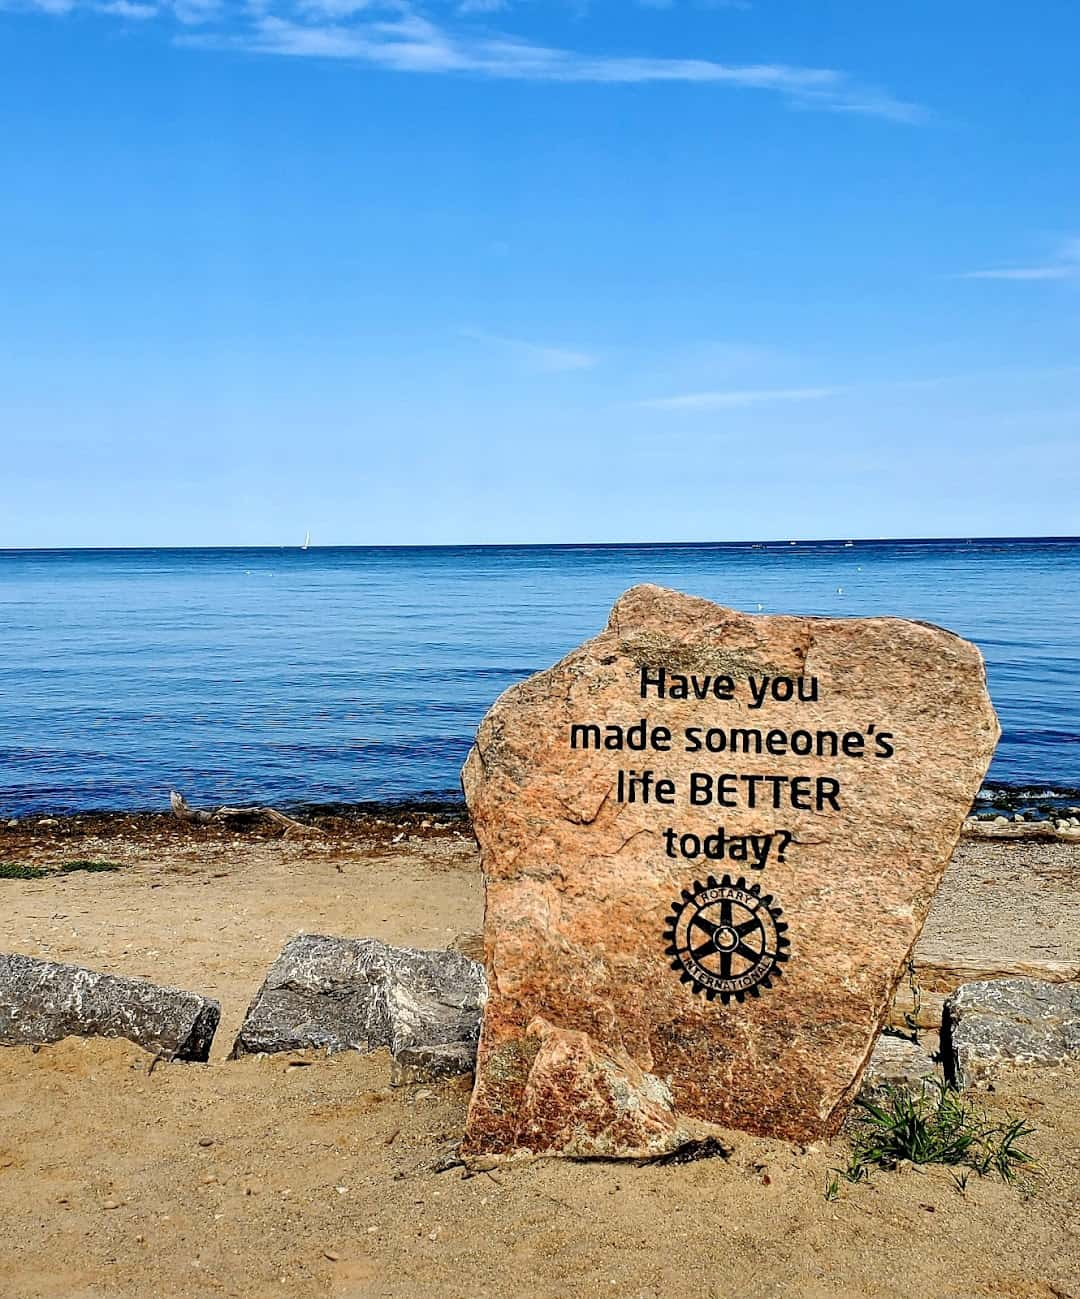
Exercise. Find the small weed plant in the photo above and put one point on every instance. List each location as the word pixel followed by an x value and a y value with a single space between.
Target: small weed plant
pixel 13 870
pixel 10 870
pixel 940 1126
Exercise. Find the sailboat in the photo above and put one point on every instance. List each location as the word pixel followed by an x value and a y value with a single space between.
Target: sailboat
pixel 307 541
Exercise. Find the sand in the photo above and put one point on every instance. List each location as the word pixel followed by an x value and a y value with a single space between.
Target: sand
pixel 306 1176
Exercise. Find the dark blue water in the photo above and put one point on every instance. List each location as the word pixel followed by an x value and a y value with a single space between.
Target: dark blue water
pixel 343 675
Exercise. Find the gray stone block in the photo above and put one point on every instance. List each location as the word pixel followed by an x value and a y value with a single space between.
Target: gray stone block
pixel 899 1064
pixel 360 994
pixel 43 1001
pixel 999 1022
pixel 413 1064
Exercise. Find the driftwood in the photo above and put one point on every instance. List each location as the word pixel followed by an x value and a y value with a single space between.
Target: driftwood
pixel 183 812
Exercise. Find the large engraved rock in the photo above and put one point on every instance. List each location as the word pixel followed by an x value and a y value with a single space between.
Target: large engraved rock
pixel 43 1001
pixel 360 994
pixel 709 842
pixel 590 1102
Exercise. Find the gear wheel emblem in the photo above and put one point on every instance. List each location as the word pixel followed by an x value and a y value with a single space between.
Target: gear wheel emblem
pixel 726 939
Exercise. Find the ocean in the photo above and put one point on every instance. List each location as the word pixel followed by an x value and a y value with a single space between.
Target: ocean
pixel 355 674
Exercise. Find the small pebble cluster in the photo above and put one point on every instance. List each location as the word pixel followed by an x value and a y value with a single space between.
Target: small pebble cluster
pixel 1065 823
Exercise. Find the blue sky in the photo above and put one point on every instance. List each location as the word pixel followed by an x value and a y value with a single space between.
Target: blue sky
pixel 521 270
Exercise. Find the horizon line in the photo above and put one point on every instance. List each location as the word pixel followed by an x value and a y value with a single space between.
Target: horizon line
pixel 541 545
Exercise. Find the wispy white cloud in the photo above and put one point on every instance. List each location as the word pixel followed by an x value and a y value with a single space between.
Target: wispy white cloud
pixel 334 10
pixel 393 34
pixel 128 9
pixel 1064 266
pixel 195 13
pixel 1023 273
pixel 729 399
pixel 535 356
pixel 54 7
pixel 413 43
pixel 738 397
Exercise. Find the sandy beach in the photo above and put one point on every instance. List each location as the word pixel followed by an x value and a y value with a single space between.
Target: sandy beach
pixel 308 1176
pixel 630 448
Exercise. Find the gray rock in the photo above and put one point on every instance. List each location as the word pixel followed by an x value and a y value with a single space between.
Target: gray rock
pixel 413 1064
pixel 897 1062
pixel 360 994
pixel 1000 1022
pixel 43 1001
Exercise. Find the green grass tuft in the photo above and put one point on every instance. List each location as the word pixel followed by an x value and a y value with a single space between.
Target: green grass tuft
pixel 10 870
pixel 937 1127
pixel 13 870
